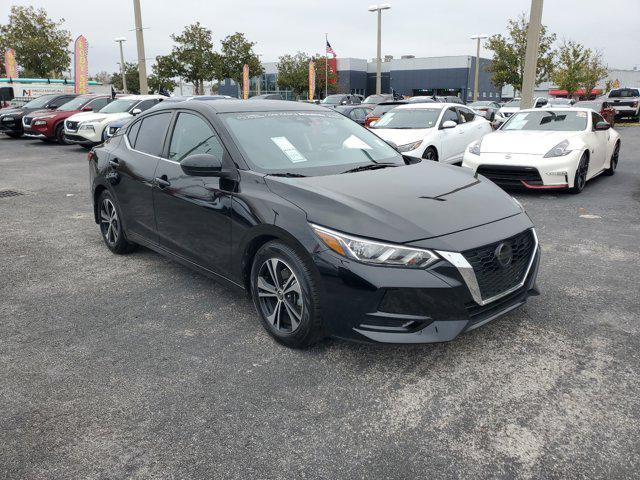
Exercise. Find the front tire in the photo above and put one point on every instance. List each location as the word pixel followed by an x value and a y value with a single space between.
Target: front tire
pixel 580 179
pixel 286 295
pixel 613 163
pixel 111 226
pixel 60 138
pixel 430 153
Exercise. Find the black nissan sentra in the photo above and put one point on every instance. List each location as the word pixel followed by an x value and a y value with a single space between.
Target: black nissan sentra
pixel 330 229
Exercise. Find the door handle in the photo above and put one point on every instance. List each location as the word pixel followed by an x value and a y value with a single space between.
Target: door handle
pixel 162 181
pixel 114 162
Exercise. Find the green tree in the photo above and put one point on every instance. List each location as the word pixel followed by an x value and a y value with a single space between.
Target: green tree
pixel 235 53
pixel 163 73
pixel 133 79
pixel 595 70
pixel 332 78
pixel 40 43
pixel 569 72
pixel 507 66
pixel 192 58
pixel 293 72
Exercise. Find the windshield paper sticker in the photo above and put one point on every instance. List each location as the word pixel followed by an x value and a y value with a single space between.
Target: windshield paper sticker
pixel 288 149
pixel 355 142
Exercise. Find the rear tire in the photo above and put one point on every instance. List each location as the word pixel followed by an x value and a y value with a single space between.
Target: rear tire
pixel 613 163
pixel 580 179
pixel 111 226
pixel 286 295
pixel 430 153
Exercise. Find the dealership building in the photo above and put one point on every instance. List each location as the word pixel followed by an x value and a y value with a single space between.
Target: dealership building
pixel 408 75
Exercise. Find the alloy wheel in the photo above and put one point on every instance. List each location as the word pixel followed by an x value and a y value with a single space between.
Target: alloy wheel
pixel 614 158
pixel 280 295
pixel 582 174
pixel 109 223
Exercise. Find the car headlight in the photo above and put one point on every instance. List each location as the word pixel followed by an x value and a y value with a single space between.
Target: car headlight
pixel 39 122
pixel 374 253
pixel 474 148
pixel 409 146
pixel 7 119
pixel 560 150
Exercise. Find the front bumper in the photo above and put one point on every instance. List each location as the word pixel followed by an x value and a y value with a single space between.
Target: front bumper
pixel 14 126
pixel 394 305
pixel 78 139
pixel 543 173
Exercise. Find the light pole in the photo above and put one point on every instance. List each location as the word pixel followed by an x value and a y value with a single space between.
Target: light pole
pixel 142 65
pixel 121 40
pixel 479 37
pixel 531 54
pixel 379 9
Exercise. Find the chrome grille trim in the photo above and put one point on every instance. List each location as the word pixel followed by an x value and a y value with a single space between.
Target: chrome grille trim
pixel 468 275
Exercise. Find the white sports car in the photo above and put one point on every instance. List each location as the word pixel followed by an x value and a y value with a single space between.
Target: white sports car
pixel 433 131
pixel 546 149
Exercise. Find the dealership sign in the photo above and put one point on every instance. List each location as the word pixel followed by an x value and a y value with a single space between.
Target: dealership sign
pixel 10 65
pixel 81 65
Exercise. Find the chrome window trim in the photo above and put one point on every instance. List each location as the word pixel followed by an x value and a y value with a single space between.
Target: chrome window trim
pixel 469 276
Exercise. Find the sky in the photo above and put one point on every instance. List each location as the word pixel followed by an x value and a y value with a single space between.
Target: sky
pixel 411 27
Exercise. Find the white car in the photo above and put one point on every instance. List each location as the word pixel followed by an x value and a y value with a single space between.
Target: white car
pixel 433 131
pixel 88 128
pixel 547 149
pixel 513 106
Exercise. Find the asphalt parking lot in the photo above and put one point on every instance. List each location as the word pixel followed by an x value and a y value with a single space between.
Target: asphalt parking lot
pixel 135 367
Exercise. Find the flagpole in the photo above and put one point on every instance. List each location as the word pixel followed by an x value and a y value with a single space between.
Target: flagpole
pixel 326 66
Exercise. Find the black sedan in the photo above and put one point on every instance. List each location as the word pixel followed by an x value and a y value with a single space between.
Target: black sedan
pixel 11 119
pixel 357 113
pixel 330 229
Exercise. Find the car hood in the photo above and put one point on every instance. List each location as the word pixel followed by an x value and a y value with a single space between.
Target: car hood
pixel 92 116
pixel 401 136
pixel 523 141
pixel 509 109
pixel 13 111
pixel 399 204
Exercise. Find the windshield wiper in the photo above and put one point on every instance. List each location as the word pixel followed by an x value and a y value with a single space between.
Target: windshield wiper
pixel 371 166
pixel 287 175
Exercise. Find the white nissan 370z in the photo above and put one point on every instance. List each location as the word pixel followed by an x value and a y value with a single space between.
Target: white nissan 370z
pixel 547 149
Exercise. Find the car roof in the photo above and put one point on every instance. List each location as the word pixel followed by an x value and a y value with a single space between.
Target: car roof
pixel 234 105
pixel 141 97
pixel 559 110
pixel 434 105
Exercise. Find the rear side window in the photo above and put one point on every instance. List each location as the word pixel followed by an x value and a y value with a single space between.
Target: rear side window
pixel 146 104
pixel 98 103
pixel 191 136
pixel 152 132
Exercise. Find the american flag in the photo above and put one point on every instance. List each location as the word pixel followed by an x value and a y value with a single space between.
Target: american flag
pixel 330 50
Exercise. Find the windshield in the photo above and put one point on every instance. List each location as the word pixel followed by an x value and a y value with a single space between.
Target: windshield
pixel 119 106
pixel 624 93
pixel 374 99
pixel 382 109
pixel 333 99
pixel 306 142
pixel 513 103
pixel 409 118
pixel 75 104
pixel 546 120
pixel 39 102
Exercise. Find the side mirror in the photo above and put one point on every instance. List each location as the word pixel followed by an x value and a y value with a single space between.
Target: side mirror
pixel 202 165
pixel 602 126
pixel 449 124
pixel 87 109
pixel 136 111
